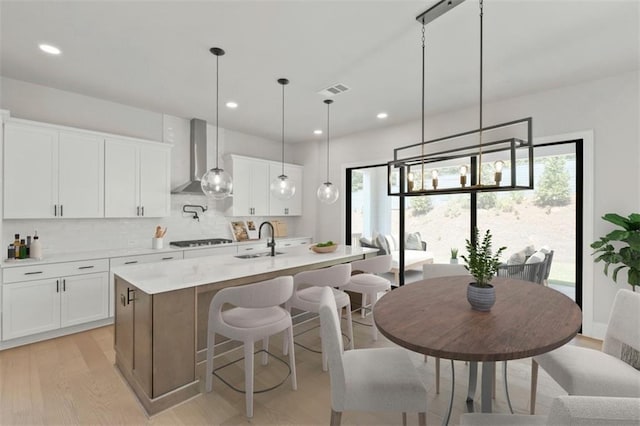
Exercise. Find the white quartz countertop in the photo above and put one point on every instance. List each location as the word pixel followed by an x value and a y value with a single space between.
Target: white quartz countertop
pixel 119 252
pixel 157 278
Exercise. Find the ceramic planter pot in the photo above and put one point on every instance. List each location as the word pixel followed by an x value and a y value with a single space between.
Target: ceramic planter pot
pixel 481 298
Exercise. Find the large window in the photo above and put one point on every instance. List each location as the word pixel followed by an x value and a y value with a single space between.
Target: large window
pixel 548 215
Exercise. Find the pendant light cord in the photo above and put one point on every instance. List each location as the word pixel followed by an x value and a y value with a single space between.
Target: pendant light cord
pixel 480 157
pixel 283 129
pixel 328 128
pixel 423 97
pixel 217 126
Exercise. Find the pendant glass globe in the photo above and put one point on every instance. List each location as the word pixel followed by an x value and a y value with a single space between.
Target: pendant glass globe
pixel 282 187
pixel 217 184
pixel 328 193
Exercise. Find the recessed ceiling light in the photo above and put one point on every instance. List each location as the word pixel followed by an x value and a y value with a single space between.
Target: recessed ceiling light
pixel 382 115
pixel 52 50
pixel 317 132
pixel 232 105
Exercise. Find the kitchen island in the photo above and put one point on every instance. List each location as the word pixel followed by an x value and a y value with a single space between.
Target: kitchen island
pixel 162 312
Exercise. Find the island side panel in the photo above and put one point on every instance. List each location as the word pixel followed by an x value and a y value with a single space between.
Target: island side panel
pixel 143 343
pixel 123 330
pixel 174 340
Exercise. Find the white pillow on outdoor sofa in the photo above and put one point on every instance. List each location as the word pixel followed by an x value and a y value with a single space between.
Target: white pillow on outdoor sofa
pixel 536 257
pixel 413 241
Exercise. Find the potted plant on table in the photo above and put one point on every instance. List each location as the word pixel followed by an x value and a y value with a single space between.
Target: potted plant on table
pixel 627 255
pixel 483 264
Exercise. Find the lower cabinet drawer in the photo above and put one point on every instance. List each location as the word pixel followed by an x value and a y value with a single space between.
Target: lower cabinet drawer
pixel 146 258
pixel 52 270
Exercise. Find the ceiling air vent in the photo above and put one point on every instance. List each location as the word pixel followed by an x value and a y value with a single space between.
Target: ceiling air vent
pixel 334 90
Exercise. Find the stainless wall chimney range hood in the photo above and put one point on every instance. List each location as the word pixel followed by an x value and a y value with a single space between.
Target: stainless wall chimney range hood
pixel 197 158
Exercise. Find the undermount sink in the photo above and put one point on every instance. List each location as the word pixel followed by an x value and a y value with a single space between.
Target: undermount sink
pixel 254 255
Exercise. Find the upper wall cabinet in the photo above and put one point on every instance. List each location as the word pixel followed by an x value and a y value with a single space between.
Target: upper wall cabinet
pixel 52 173
pixel 292 206
pixel 137 179
pixel 251 180
pixel 250 186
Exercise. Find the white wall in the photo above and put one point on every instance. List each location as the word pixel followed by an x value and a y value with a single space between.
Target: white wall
pixel 40 103
pixel 608 106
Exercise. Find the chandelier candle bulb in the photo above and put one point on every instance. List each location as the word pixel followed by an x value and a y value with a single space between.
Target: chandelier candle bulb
pixel 498 165
pixel 463 176
pixel 434 179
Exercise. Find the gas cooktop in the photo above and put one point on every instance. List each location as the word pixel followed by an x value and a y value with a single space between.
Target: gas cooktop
pixel 198 243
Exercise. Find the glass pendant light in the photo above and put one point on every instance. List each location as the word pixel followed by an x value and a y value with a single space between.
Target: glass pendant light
pixel 327 192
pixel 216 183
pixel 282 187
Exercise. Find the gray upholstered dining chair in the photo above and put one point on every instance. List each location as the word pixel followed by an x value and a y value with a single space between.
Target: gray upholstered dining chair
pixel 373 379
pixel 568 410
pixel 610 372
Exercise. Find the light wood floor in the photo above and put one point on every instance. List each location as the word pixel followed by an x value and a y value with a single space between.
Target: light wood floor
pixel 72 380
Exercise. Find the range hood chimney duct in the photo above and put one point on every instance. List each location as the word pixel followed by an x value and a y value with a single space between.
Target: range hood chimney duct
pixel 198 158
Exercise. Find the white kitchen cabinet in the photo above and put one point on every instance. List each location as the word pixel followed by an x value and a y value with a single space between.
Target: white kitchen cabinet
pixel 137 179
pixel 211 251
pixel 248 248
pixel 136 260
pixel 84 298
pixel 293 205
pixel 39 298
pixel 292 242
pixel 52 173
pixel 30 307
pixel 250 186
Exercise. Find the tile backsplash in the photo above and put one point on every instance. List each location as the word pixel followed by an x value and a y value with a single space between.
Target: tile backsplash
pixel 74 235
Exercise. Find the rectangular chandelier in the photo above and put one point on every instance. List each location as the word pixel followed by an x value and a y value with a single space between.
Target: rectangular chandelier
pixel 494 158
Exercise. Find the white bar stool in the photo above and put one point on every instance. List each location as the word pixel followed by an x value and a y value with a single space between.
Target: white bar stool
pixel 307 289
pixel 368 284
pixel 256 316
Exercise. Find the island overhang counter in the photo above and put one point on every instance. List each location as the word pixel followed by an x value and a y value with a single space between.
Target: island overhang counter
pixel 162 312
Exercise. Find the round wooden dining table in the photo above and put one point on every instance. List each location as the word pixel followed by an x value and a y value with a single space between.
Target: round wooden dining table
pixel 433 317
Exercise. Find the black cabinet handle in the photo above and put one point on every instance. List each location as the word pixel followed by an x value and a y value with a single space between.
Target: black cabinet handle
pixel 130 262
pixel 138 211
pixel 33 273
pixel 142 210
pixel 55 210
pixel 57 286
pixel 64 285
pixel 167 258
pixel 61 211
pixel 130 298
pixel 85 267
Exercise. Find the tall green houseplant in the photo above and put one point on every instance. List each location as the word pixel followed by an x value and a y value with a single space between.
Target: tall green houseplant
pixel 482 263
pixel 621 247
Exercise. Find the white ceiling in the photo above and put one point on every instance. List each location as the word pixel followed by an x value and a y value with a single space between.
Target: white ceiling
pixel 155 55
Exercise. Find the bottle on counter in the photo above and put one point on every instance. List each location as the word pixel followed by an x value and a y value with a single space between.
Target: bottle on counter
pixel 16 247
pixel 23 249
pixel 36 247
pixel 28 245
pixel 11 252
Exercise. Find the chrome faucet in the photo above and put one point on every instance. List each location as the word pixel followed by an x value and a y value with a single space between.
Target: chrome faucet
pixel 272 243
